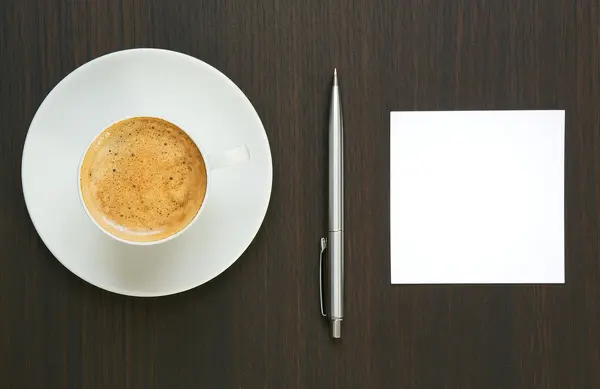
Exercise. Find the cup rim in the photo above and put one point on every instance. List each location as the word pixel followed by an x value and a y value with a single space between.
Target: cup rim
pixel 154 242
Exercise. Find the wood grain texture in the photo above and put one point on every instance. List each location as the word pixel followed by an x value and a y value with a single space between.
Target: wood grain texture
pixel 257 325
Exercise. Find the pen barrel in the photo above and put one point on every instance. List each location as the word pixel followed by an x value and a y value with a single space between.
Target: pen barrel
pixel 335 262
pixel 336 164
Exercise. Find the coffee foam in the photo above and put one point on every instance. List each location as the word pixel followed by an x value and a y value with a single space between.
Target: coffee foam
pixel 143 179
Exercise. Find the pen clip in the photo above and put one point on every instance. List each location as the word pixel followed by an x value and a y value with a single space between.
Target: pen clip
pixel 323 247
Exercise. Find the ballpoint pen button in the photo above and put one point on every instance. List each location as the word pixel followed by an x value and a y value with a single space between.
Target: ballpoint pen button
pixel 336 328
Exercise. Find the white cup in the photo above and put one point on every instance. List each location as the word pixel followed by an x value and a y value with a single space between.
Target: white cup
pixel 230 157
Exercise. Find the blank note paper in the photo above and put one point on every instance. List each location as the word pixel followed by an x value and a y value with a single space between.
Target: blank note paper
pixel 477 197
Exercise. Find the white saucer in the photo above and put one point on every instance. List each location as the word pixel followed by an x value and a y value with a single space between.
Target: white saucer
pixel 146 82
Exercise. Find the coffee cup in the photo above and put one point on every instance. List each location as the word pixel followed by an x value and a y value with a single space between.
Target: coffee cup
pixel 144 180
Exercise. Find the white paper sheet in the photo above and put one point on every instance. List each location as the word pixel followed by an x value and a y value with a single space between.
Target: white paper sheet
pixel 477 197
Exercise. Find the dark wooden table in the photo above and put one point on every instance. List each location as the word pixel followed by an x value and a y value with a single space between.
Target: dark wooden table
pixel 257 325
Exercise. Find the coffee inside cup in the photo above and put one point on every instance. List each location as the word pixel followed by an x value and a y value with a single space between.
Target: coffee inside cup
pixel 143 179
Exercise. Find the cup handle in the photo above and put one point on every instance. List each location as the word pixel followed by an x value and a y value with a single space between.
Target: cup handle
pixel 228 158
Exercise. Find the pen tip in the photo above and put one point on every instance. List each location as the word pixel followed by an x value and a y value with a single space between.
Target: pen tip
pixel 335 81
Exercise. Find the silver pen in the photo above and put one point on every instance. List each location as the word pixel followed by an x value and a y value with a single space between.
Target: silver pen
pixel 334 243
